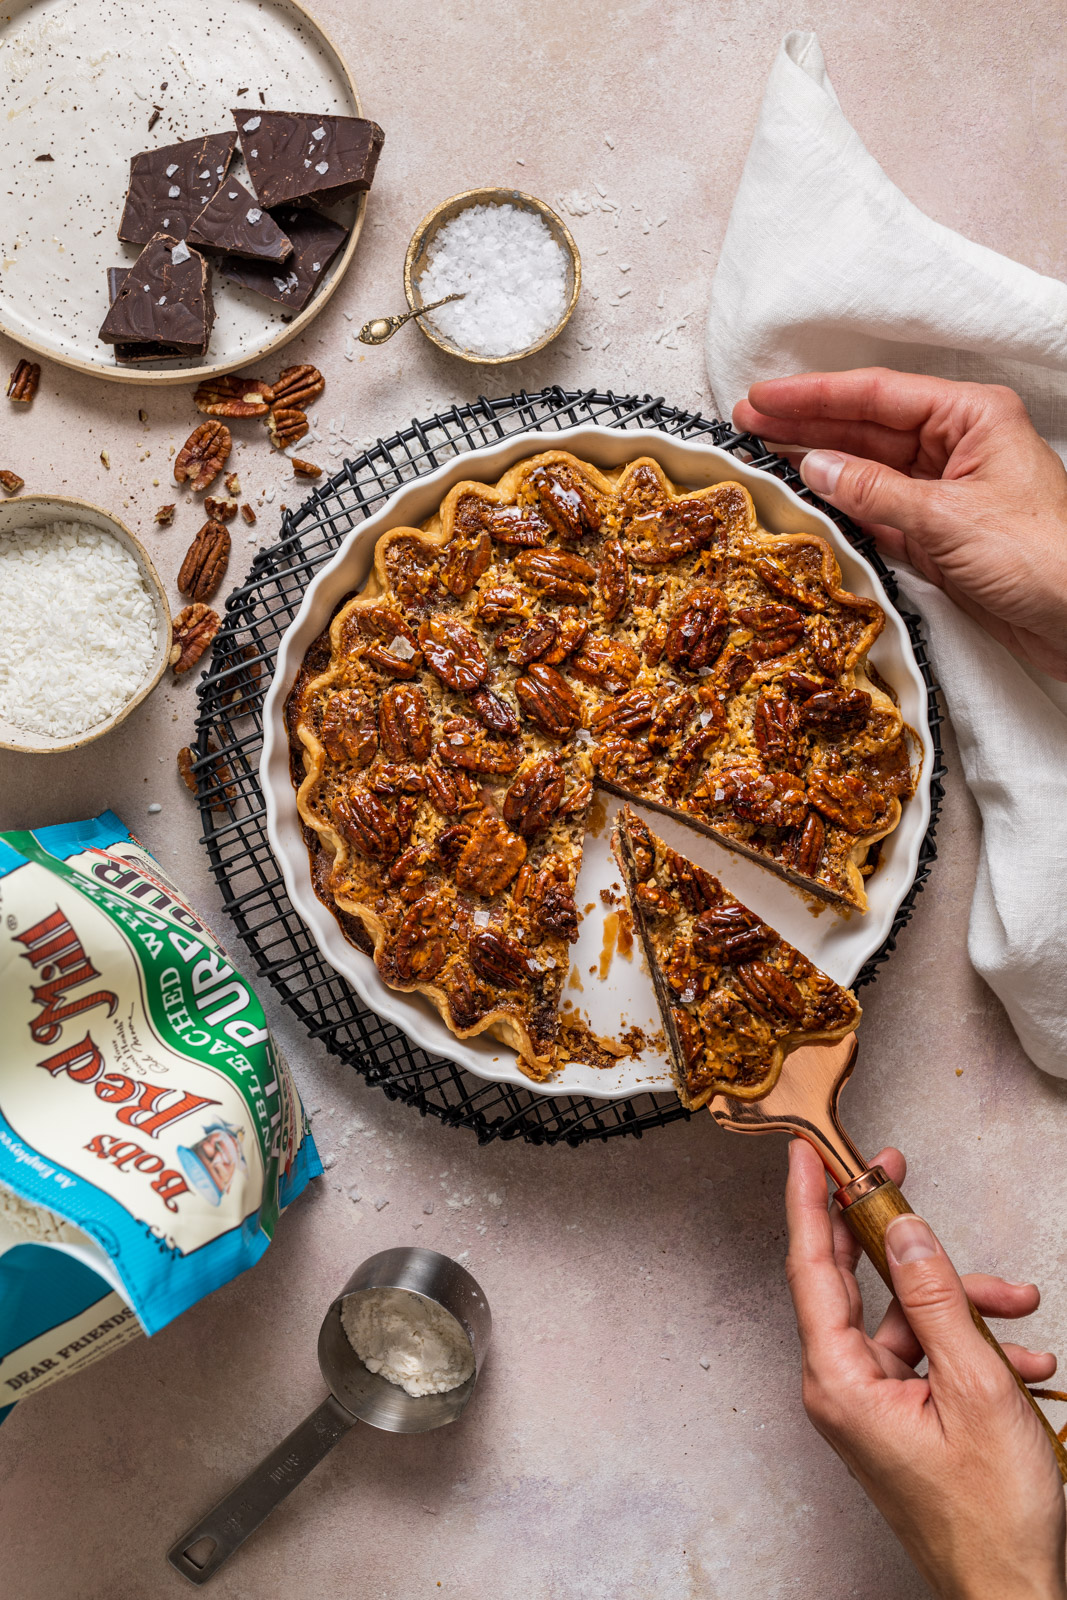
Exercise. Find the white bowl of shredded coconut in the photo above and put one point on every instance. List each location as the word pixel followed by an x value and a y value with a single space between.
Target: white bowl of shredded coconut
pixel 515 264
pixel 85 628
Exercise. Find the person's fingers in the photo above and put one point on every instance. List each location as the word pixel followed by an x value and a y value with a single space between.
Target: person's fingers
pixel 993 1297
pixel 820 1296
pixel 935 1304
pixel 901 400
pixel 896 449
pixel 869 491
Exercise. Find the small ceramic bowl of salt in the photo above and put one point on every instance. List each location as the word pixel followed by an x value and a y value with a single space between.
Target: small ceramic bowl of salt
pixel 515 264
pixel 85 628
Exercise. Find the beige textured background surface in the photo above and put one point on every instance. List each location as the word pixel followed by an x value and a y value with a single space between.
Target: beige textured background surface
pixel 599 1460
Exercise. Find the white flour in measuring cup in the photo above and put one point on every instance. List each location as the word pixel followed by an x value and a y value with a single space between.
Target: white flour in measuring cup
pixel 150 1133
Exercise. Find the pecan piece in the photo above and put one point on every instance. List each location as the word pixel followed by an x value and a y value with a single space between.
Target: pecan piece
pixel 731 934
pixel 203 455
pixel 556 574
pixel 775 726
pixel 827 650
pixel 534 797
pixel 11 481
pixel 687 760
pixel 248 514
pixel 676 530
pixel 165 514
pixel 782 582
pixel 617 759
pixel 404 724
pixel 847 800
pixel 547 700
pixel 834 711
pixel 776 629
pixel 629 714
pixel 806 849
pixel 608 664
pixel 233 484
pixel 525 641
pixel 465 745
pixel 490 858
pixel 612 580
pixel 286 425
pixel 193 630
pixel 571 635
pixel 305 469
pixel 643 849
pixel 216 775
pixel 696 888
pixel 772 799
pixel 394 648
pixel 495 713
pixel 697 630
pixel 690 1037
pixel 22 384
pixel 464 562
pixel 568 503
pixel 449 792
pixel 349 731
pixel 673 716
pixel 498 959
pixel 769 992
pixel 421 947
pixel 205 562
pixel 297 386
pixel 510 525
pixel 220 510
pixel 462 1002
pixel 682 971
pixel 391 780
pixel 551 901
pixel 453 654
pixel 367 824
pixel 496 603
pixel 233 396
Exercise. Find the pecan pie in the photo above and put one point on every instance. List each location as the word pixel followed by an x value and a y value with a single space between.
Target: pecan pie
pixel 735 998
pixel 562 629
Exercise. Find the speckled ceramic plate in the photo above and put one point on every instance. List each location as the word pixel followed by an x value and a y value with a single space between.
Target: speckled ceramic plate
pixel 79 81
pixel 612 992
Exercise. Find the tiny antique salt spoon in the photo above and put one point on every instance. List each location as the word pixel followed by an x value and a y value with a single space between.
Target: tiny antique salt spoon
pixel 383 328
pixel 356 1394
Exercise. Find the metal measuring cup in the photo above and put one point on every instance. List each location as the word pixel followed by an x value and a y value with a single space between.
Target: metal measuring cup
pixel 356 1395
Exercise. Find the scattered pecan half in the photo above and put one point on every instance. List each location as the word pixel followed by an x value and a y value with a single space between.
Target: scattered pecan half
pixel 776 629
pixel 404 723
pixel 770 992
pixel 297 386
pixel 697 630
pixel 498 959
pixel 305 469
pixel 203 455
pixel 286 425
pixel 568 503
pixel 215 773
pixel 193 630
pixel 220 510
pixel 367 824
pixel 164 515
pixel 349 728
pixel 234 396
pixel 453 654
pixel 22 384
pixel 421 942
pixel 524 641
pixel 612 579
pixel 248 514
pixel 11 481
pixel 465 745
pixel 494 713
pixel 807 847
pixel 608 664
pixel 557 574
pixel 730 934
pixel 843 798
pixel 534 798
pixel 548 700
pixel 205 562
pixel 464 562
pixel 490 858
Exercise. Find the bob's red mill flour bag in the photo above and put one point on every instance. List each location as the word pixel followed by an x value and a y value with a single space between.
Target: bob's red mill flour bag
pixel 150 1133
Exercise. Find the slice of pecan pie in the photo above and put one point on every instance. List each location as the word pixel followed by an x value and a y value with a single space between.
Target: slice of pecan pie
pixel 563 628
pixel 735 998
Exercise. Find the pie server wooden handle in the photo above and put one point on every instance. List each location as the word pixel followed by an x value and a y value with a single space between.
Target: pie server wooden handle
pixel 868 1204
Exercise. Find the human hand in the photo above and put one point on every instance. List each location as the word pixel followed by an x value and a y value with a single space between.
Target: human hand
pixel 956 1462
pixel 950 477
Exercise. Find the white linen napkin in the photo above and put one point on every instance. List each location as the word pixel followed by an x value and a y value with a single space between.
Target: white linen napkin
pixel 826 266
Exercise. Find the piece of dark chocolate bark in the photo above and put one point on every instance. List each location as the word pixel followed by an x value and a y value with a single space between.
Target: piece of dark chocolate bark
pixel 291 156
pixel 316 240
pixel 135 354
pixel 165 299
pixel 170 186
pixel 233 222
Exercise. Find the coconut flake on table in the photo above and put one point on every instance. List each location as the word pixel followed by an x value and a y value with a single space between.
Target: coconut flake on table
pixel 77 628
pixel 510 269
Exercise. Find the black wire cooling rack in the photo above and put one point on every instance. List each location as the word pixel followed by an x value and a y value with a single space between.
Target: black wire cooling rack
pixel 229 722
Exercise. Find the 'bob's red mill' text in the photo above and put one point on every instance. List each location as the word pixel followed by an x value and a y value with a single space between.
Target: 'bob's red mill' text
pixel 56 953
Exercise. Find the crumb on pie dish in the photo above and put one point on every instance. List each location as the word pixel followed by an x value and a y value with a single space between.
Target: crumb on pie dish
pixel 561 630
pixel 735 998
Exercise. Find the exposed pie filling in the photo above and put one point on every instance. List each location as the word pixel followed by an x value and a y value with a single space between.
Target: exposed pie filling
pixel 563 629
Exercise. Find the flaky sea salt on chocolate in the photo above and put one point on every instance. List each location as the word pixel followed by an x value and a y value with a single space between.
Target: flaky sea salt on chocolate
pixel 277 146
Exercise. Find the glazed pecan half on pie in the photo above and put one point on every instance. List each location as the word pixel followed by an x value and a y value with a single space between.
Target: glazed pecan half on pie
pixel 734 997
pixel 561 629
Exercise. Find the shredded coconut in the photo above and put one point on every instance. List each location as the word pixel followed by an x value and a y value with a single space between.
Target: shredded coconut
pixel 77 628
pixel 410 1341
pixel 510 269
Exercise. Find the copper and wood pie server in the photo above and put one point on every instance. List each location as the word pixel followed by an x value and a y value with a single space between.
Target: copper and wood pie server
pixel 804 1101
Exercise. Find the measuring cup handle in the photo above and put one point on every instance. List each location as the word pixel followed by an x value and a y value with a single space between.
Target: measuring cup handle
pixel 241 1511
pixel 868 1204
